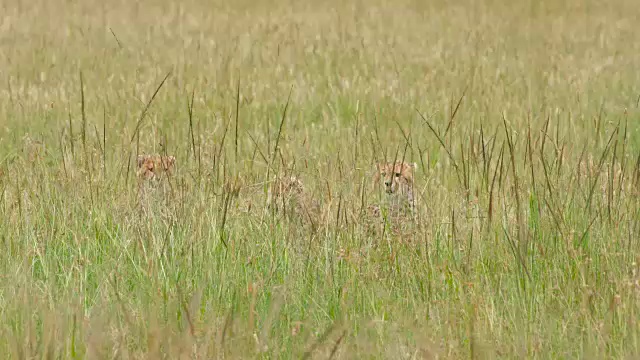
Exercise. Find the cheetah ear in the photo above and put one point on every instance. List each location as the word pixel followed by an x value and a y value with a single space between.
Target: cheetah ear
pixel 414 166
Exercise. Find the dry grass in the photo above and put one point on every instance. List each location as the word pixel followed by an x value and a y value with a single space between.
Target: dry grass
pixel 521 117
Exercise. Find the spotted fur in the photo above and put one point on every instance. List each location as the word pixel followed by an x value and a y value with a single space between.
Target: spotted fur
pixel 151 167
pixel 397 181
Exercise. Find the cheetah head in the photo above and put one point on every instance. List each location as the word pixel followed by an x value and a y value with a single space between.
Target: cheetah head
pixel 396 178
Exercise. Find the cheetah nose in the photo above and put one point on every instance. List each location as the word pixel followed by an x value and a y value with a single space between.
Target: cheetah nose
pixel 388 183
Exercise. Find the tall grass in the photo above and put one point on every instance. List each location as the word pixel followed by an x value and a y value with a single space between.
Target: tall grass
pixel 522 118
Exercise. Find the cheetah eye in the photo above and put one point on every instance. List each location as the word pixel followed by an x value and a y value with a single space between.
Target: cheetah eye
pixel 397 174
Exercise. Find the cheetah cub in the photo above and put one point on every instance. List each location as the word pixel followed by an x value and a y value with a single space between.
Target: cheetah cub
pixel 151 170
pixel 288 195
pixel 151 167
pixel 397 181
pixel 283 190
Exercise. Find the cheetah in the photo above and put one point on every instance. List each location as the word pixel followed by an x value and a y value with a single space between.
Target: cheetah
pixel 397 181
pixel 397 207
pixel 288 195
pixel 284 189
pixel 151 170
pixel 151 167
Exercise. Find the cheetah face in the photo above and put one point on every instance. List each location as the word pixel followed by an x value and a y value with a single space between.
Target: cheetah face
pixel 151 166
pixel 396 178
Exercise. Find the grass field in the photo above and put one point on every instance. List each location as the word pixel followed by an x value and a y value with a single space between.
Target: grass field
pixel 522 116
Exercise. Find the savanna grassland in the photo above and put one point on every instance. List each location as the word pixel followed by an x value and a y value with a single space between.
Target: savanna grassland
pixel 522 117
